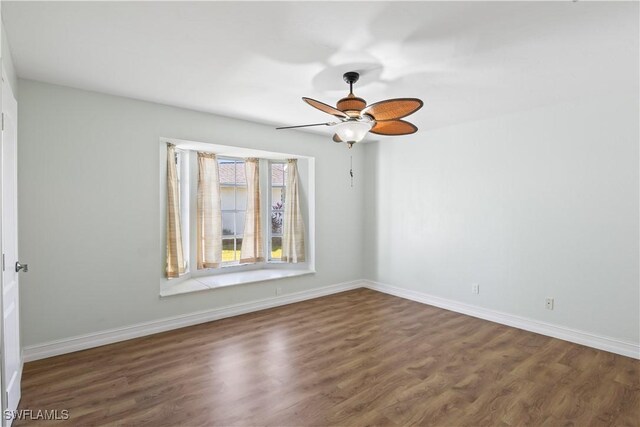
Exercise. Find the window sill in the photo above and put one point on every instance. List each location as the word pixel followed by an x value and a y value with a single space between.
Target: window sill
pixel 206 283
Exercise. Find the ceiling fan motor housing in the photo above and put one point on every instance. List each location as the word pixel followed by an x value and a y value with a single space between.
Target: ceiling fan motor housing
pixel 351 105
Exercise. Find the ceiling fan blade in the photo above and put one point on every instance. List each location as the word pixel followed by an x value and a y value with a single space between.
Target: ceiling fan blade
pixel 325 108
pixel 393 127
pixel 336 138
pixel 392 109
pixel 306 126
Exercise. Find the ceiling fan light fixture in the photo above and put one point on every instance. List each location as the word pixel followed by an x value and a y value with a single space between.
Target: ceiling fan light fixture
pixel 352 131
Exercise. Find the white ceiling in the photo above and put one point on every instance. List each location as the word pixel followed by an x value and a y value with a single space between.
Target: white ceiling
pixel 466 60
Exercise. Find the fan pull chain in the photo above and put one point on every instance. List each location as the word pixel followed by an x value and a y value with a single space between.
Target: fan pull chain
pixel 351 171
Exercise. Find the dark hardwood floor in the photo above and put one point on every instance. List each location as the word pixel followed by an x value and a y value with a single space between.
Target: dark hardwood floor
pixel 356 358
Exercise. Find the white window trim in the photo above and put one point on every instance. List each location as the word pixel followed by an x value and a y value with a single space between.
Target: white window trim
pixel 235 274
pixel 206 283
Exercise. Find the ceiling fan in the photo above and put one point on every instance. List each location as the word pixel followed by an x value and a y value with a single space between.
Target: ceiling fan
pixel 356 118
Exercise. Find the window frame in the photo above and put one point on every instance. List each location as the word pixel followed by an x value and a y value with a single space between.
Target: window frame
pixel 270 187
pixel 234 212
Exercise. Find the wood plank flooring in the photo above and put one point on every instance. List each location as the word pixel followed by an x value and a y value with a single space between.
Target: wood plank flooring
pixel 351 359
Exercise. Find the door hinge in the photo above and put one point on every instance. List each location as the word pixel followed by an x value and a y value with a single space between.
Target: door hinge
pixel 2 262
pixel 2 121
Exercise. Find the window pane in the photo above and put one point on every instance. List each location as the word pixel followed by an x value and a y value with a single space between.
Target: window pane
pixel 276 248
pixel 277 174
pixel 227 198
pixel 228 227
pixel 228 253
pixel 240 223
pixel 277 198
pixel 240 174
pixel 276 222
pixel 241 198
pixel 226 170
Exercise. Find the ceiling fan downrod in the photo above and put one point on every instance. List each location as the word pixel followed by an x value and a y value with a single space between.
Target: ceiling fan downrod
pixel 351 77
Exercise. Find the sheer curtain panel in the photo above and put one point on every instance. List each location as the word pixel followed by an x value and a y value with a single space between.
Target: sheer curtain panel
pixel 252 248
pixel 293 250
pixel 209 216
pixel 175 256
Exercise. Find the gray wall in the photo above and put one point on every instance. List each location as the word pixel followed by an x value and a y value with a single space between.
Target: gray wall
pixel 88 209
pixel 540 203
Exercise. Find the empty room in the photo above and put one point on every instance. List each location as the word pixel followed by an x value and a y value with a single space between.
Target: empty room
pixel 320 213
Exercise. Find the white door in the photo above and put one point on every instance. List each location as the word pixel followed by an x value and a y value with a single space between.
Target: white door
pixel 11 354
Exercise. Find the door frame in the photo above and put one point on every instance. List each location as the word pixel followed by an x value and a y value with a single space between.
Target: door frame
pixel 3 398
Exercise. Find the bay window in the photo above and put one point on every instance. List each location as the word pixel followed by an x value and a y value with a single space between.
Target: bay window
pixel 268 219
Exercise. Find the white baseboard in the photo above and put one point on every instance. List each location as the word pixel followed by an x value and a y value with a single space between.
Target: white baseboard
pixel 561 332
pixel 82 342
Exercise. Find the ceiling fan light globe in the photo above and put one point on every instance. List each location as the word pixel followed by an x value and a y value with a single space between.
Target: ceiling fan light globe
pixel 353 131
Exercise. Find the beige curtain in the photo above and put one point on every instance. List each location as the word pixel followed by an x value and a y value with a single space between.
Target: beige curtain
pixel 293 234
pixel 208 216
pixel 252 250
pixel 175 256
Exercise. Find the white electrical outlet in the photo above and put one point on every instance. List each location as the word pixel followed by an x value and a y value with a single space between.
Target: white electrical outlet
pixel 475 288
pixel 278 290
pixel 548 303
